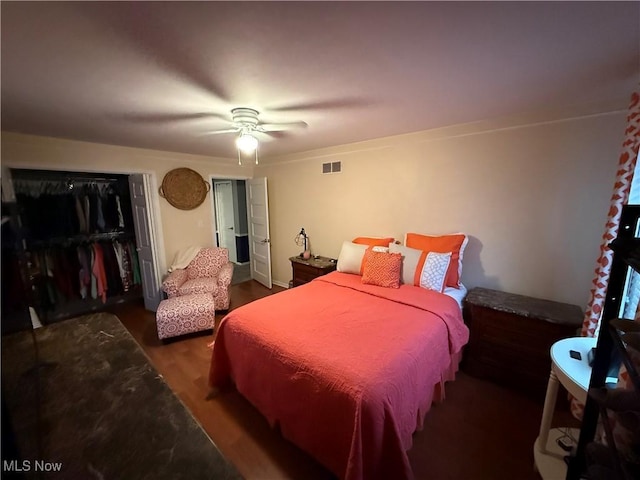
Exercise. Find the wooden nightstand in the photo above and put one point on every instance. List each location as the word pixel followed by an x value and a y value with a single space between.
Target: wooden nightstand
pixel 511 336
pixel 306 270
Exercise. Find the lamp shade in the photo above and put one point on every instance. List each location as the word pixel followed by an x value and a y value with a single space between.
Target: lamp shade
pixel 247 143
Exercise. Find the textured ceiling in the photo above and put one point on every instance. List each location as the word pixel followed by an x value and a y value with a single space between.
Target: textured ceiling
pixel 160 75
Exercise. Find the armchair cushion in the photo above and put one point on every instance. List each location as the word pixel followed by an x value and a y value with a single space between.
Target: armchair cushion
pixel 172 283
pixel 223 294
pixel 225 275
pixel 199 285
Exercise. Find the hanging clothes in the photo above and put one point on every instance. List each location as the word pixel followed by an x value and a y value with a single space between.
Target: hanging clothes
pixel 133 253
pixel 111 210
pixel 99 272
pixel 120 217
pixel 112 270
pixel 93 212
pixel 63 274
pixel 84 275
pixel 87 211
pixel 94 277
pixel 82 224
pixel 77 235
pixel 100 220
pixel 124 263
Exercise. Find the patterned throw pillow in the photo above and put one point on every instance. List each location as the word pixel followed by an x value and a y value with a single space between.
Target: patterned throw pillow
pixel 382 269
pixel 371 248
pixel 434 271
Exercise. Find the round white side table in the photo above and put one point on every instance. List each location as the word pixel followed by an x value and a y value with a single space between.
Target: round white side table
pixel 574 375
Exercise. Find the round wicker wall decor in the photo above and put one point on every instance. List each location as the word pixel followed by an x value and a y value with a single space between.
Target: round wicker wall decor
pixel 184 188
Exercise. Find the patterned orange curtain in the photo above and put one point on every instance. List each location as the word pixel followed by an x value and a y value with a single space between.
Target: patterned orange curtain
pixel 620 197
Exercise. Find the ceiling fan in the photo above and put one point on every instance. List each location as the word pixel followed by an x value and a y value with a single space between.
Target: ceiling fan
pixel 246 124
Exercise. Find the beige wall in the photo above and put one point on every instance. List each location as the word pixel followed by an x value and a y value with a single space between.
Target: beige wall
pixel 533 199
pixel 177 229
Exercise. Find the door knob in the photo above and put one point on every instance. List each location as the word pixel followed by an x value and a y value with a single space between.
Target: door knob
pixel 266 240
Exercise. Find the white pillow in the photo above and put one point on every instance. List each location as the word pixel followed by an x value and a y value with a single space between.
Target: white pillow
pixel 350 258
pixel 434 271
pixel 410 259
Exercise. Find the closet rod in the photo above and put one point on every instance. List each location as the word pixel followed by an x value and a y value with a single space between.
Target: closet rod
pixel 63 176
pixel 65 180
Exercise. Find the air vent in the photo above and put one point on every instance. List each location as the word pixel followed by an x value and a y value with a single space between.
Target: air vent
pixel 333 167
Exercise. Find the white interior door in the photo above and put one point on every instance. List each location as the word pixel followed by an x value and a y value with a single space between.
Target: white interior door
pixel 225 217
pixel 144 242
pixel 259 241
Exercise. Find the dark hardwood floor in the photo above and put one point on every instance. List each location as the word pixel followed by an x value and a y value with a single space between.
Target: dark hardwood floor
pixel 481 430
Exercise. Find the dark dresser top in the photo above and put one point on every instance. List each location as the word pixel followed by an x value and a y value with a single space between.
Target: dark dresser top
pixel 550 311
pixel 105 412
pixel 320 262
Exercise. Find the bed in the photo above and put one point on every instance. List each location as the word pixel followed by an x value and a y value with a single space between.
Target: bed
pixel 346 370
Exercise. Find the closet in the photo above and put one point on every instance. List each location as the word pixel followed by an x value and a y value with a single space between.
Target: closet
pixel 74 242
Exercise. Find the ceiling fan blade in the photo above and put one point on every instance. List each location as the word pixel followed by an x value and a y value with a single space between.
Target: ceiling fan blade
pixel 216 132
pixel 331 104
pixel 158 40
pixel 273 135
pixel 279 127
pixel 166 117
pixel 263 137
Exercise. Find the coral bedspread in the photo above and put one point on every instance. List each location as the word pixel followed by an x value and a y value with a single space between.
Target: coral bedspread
pixel 346 370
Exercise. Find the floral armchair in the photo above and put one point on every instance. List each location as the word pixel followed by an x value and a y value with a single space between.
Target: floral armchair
pixel 209 272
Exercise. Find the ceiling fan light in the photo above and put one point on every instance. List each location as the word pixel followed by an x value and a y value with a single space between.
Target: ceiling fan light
pixel 247 143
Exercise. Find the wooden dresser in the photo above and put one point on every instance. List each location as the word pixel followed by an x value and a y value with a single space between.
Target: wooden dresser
pixel 511 336
pixel 306 270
